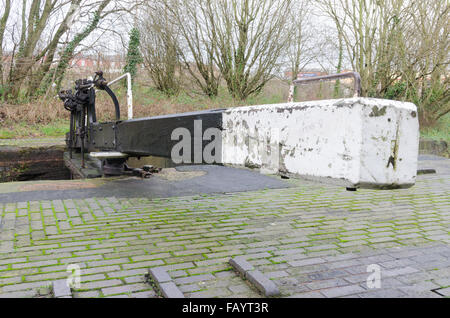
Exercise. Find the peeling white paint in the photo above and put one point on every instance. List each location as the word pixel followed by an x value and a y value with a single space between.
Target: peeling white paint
pixel 356 142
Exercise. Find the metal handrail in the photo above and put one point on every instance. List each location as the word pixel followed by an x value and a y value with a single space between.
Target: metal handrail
pixel 354 75
pixel 129 92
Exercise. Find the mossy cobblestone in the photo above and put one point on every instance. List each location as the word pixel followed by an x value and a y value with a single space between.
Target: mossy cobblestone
pixel 289 234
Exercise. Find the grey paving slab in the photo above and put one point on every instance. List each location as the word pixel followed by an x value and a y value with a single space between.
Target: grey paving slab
pixel 265 285
pixel 170 290
pixel 241 265
pixel 159 275
pixel 61 289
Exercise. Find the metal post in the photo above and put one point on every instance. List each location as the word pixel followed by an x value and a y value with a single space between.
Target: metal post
pixel 72 114
pixel 83 114
pixel 291 94
pixel 129 97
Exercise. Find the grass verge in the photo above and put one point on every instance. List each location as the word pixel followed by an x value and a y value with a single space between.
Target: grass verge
pixel 25 130
pixel 441 131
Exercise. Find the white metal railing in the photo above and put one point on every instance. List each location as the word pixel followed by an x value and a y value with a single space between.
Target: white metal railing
pixel 129 92
pixel 299 81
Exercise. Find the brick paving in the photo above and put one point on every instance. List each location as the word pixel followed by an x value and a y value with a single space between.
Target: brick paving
pixel 312 240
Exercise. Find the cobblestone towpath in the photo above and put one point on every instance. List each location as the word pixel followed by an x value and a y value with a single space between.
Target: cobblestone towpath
pixel 309 239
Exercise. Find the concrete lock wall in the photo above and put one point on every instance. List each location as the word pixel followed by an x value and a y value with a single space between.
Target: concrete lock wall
pixel 356 142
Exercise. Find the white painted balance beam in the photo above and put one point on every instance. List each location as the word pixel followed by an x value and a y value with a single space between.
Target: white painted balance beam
pixel 354 142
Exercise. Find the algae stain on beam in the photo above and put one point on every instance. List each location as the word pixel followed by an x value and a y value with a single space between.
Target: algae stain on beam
pixel 377 112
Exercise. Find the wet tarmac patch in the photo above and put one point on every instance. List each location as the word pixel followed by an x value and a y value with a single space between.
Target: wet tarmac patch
pixel 177 182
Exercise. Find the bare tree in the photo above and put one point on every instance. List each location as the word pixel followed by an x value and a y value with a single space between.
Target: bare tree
pixel 69 49
pixel 299 49
pixel 424 60
pixel 160 47
pixel 33 27
pixel 249 37
pixel 3 21
pixel 39 52
pixel 51 50
pixel 364 27
pixel 196 49
pixel 399 47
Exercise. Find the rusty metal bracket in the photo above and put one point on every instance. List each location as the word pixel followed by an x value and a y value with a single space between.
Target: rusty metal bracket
pixel 354 75
pixel 145 172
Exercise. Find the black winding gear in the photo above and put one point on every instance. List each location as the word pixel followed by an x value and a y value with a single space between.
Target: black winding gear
pixel 84 94
pixel 70 101
pixel 81 98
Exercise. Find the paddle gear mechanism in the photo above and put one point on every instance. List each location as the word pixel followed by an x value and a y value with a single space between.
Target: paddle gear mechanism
pixel 81 104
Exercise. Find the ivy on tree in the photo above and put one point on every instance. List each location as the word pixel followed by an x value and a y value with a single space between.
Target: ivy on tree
pixel 133 56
